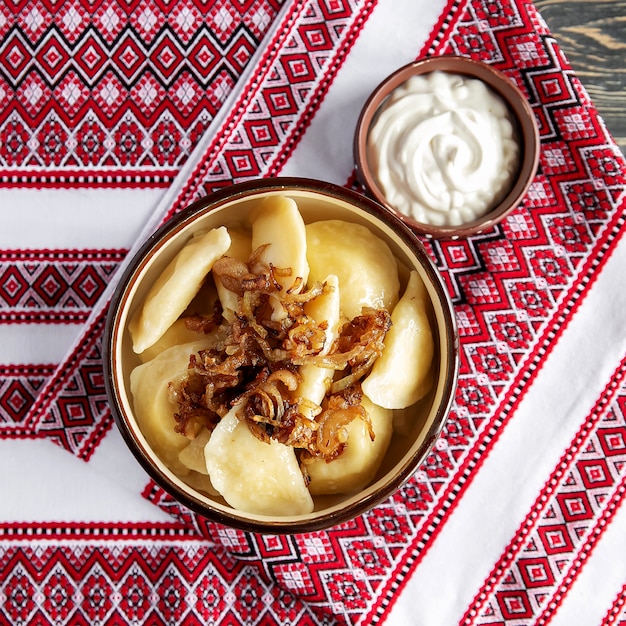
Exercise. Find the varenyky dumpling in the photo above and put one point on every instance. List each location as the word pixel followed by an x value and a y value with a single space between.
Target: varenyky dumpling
pixel 363 263
pixel 176 287
pixel 192 457
pixel 154 406
pixel 325 308
pixel 240 249
pixel 254 476
pixel 175 335
pixel 400 376
pixel 277 222
pixel 361 458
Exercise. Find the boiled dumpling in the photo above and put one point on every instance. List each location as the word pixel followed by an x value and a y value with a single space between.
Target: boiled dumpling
pixel 153 405
pixel 363 263
pixel 192 455
pixel 254 476
pixel 175 335
pixel 400 376
pixel 240 249
pixel 325 308
pixel 277 222
pixel 176 287
pixel 357 465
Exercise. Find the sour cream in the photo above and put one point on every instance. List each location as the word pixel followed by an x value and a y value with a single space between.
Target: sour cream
pixel 443 149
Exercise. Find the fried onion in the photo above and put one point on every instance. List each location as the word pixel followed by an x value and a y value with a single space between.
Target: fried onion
pixel 256 364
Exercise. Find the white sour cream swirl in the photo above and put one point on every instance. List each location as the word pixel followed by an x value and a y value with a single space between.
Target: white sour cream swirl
pixel 443 148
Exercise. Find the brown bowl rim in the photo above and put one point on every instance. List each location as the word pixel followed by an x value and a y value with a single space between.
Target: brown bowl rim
pixel 501 84
pixel 205 205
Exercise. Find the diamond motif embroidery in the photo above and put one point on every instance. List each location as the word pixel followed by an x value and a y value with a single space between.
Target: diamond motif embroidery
pixel 114 62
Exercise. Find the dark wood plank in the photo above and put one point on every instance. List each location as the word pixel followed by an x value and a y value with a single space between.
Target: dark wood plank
pixel 593 37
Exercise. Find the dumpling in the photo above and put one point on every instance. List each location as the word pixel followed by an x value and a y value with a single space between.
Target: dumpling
pixel 363 263
pixel 175 335
pixel 254 476
pixel 176 287
pixel 316 380
pixel 153 405
pixel 277 221
pixel 240 249
pixel 358 463
pixel 192 455
pixel 400 376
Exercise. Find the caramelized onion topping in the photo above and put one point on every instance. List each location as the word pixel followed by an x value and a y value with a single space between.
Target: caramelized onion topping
pixel 257 363
pixel 341 410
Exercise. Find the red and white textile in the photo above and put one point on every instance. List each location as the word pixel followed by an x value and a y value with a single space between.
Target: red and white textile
pixel 113 116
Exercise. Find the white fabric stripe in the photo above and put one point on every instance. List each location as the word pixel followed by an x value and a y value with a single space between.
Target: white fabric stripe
pixel 325 152
pixel 523 458
pixel 35 343
pixel 111 218
pixel 69 489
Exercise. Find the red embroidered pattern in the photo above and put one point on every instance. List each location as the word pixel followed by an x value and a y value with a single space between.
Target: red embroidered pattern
pixel 45 287
pixel 616 615
pixel 19 386
pixel 132 574
pixel 117 93
pixel 53 286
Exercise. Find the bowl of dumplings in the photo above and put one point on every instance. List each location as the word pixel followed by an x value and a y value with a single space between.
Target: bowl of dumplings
pixel 281 356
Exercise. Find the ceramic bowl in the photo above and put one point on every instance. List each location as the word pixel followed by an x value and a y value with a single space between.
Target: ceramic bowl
pixel 525 132
pixel 316 201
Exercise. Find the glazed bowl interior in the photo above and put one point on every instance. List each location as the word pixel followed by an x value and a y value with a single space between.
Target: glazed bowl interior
pixel 522 117
pixel 316 201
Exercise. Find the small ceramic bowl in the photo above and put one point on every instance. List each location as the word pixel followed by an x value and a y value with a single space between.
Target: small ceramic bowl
pixel 525 132
pixel 316 201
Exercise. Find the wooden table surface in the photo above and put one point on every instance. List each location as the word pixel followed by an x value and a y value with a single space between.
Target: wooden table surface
pixel 593 37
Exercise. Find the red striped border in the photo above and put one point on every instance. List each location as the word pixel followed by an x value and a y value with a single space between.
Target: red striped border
pixel 32 268
pixel 100 531
pixel 27 369
pixel 94 179
pixel 44 316
pixel 72 255
pixel 448 18
pixel 616 614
